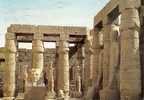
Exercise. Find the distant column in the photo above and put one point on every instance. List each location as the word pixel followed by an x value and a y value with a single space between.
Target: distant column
pixel 88 64
pixel 10 67
pixel 130 70
pixel 37 57
pixel 106 60
pixel 63 68
pixel 96 53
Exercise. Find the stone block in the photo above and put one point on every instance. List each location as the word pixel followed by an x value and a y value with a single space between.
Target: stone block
pixel 38 36
pixel 129 34
pixel 127 4
pixel 10 36
pixel 130 23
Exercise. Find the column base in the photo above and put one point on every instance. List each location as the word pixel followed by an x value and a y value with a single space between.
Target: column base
pixel 130 96
pixel 8 98
pixel 66 98
pixel 20 96
pixel 109 94
pixel 50 95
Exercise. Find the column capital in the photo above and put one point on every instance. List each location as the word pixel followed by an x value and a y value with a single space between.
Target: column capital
pixel 10 36
pixel 37 46
pixel 64 37
pixel 38 36
pixel 128 4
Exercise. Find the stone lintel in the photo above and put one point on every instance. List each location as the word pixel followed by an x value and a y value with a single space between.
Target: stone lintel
pixel 47 30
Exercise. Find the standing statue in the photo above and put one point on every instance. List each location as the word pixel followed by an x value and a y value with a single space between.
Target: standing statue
pixel 78 80
pixel 49 81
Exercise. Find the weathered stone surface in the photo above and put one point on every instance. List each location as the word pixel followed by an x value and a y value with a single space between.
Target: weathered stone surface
pixel 10 66
pixel 37 57
pixel 128 4
pixel 130 80
pixel 63 67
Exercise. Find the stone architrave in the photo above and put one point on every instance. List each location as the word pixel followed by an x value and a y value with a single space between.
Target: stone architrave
pixel 10 67
pixel 130 70
pixel 37 57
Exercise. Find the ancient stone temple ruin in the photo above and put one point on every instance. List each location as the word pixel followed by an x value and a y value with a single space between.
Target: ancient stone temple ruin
pixel 104 63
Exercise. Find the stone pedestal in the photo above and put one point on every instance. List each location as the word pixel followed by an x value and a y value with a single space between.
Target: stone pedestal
pixel 10 66
pixel 130 70
pixel 109 94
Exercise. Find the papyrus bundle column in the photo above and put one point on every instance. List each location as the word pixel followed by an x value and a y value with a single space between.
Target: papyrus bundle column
pixel 130 80
pixel 106 60
pixel 63 65
pixel 10 67
pixel 37 56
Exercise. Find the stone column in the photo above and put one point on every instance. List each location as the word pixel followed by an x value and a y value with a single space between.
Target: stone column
pixel 63 68
pixel 81 63
pixel 50 88
pixel 10 67
pixel 130 80
pixel 96 52
pixel 57 80
pixel 142 43
pixel 37 57
pixel 88 64
pixel 106 60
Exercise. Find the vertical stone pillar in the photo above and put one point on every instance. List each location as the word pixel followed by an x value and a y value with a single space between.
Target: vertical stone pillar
pixel 37 57
pixel 57 80
pixel 10 67
pixel 142 43
pixel 50 88
pixel 130 80
pixel 106 60
pixel 96 51
pixel 88 63
pixel 63 68
pixel 81 63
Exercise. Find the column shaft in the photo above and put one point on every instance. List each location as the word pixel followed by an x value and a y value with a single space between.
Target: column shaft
pixel 63 68
pixel 37 56
pixel 130 80
pixel 10 67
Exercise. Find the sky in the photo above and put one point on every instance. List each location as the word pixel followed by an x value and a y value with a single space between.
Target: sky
pixel 48 12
